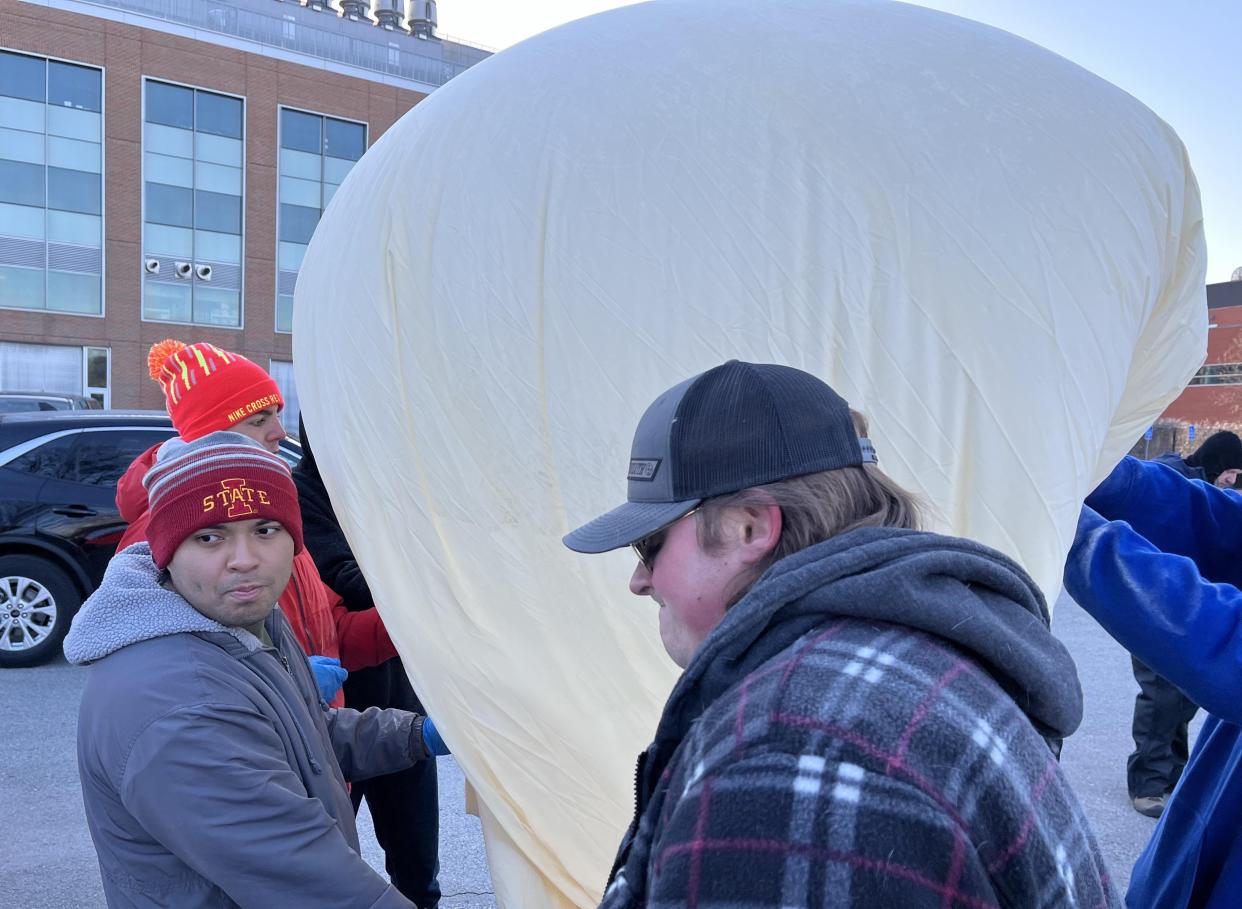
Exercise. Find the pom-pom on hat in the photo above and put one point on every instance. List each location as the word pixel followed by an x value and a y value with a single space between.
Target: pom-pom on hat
pixel 221 478
pixel 207 388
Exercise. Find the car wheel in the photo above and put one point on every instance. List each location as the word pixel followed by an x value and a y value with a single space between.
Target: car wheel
pixel 37 603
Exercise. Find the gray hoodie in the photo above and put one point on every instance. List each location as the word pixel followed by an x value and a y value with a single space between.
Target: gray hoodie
pixel 868 727
pixel 212 774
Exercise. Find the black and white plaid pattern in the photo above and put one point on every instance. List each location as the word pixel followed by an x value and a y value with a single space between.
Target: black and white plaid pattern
pixel 868 766
pixel 863 764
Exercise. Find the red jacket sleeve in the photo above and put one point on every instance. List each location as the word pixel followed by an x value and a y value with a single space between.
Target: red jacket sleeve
pixel 131 495
pixel 362 637
pixel 131 498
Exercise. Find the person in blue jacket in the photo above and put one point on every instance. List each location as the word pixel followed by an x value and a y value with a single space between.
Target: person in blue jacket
pixel 1157 560
pixel 1162 712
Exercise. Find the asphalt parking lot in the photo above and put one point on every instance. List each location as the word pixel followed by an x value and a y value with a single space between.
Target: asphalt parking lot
pixel 50 863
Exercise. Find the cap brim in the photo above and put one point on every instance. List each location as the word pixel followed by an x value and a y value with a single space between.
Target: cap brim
pixel 625 525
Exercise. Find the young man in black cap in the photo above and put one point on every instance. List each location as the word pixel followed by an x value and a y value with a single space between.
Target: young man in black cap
pixel 868 713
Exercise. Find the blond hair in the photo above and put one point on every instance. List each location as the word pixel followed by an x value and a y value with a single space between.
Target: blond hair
pixel 814 507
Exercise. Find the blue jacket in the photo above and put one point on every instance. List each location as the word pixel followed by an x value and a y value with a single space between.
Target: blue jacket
pixel 212 774
pixel 1165 585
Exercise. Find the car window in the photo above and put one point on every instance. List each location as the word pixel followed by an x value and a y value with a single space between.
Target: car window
pixel 100 458
pixel 23 405
pixel 47 461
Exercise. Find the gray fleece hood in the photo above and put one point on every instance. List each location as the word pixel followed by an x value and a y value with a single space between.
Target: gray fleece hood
pixel 131 606
pixel 973 597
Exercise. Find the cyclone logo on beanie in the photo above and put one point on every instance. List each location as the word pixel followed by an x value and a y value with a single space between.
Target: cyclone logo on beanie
pixel 207 388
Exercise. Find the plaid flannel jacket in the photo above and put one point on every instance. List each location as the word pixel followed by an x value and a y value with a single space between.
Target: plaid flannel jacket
pixel 865 764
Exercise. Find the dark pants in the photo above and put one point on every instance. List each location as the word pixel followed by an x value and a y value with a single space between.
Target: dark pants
pixel 405 806
pixel 1161 738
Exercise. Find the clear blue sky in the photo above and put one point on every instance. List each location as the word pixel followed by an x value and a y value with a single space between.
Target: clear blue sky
pixel 1179 58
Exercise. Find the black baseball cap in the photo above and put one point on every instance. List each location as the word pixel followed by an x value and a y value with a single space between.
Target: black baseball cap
pixel 733 427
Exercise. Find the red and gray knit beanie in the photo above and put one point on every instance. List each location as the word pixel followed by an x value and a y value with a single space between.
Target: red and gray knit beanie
pixel 221 478
pixel 207 388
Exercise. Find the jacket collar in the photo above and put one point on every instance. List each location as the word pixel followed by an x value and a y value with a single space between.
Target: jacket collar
pixel 965 593
pixel 130 606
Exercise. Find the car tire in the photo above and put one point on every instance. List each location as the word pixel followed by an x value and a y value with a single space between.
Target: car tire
pixel 37 603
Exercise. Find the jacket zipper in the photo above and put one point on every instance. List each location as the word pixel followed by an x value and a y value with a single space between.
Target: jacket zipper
pixel 632 834
pixel 310 754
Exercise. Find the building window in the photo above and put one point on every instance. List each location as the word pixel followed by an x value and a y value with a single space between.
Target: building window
pixel 316 153
pixel 56 368
pixel 97 374
pixel 282 372
pixel 193 160
pixel 51 185
pixel 1218 374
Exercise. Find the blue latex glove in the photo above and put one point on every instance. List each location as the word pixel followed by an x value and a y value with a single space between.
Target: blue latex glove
pixel 330 675
pixel 431 739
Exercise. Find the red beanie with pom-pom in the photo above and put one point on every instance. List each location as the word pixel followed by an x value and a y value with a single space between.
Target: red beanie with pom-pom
pixel 207 388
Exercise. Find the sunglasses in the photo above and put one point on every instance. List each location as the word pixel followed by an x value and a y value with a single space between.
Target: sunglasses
pixel 649 546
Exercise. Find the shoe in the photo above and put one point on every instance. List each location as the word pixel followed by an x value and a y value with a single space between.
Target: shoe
pixel 1150 805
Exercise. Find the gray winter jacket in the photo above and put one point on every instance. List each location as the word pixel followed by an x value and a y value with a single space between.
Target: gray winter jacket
pixel 212 774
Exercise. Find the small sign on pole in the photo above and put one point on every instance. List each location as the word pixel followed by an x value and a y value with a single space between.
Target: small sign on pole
pixel 1191 433
pixel 1147 435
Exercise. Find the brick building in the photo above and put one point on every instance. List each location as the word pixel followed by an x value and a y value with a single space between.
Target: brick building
pixel 163 164
pixel 1213 399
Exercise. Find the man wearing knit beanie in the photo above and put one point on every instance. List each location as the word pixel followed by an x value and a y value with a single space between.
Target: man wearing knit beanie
pixel 212 771
pixel 219 480
pixel 1220 459
pixel 208 389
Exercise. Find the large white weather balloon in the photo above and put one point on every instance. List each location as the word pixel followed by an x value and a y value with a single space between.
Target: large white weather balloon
pixel 992 252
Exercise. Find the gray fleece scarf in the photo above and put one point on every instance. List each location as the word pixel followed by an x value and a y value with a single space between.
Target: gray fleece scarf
pixel 131 606
pixel 971 596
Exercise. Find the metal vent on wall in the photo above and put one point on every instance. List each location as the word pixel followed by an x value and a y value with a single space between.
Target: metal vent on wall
pixel 65 257
pixel 16 251
pixel 223 275
pixel 285 282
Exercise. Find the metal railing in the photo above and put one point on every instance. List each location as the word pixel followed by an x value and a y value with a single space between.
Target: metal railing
pixel 321 34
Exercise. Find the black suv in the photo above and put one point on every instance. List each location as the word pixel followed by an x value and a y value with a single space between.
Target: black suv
pixel 59 523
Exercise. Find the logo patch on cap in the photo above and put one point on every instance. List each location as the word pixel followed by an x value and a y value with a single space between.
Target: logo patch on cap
pixel 643 468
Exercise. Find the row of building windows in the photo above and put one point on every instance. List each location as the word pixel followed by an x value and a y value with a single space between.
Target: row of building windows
pixel 1218 374
pixel 193 201
pixel 51 198
pixel 193 163
pixel 315 155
